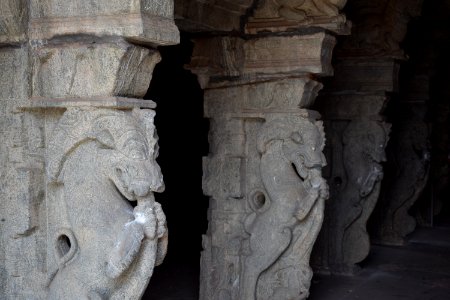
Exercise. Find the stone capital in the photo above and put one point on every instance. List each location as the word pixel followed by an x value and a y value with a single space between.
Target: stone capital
pixel 225 61
pixel 351 106
pixel 90 69
pixel 359 75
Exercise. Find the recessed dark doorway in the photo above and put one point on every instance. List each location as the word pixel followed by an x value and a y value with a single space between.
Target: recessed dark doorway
pixel 183 142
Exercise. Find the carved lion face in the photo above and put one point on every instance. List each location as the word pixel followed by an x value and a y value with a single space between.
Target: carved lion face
pixel 135 171
pixel 127 147
pixel 132 166
pixel 302 143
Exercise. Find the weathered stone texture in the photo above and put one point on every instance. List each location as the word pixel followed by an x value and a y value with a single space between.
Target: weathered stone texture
pixel 144 21
pixel 210 15
pixel 77 70
pixel 67 75
pixel 282 15
pixel 357 136
pixel 263 173
pixel 363 75
pixel 378 28
pixel 13 21
pixel 366 70
pixel 256 17
pixel 87 150
pixel 255 189
pixel 21 180
pixel 407 175
pixel 355 173
pixel 14 76
pixel 223 61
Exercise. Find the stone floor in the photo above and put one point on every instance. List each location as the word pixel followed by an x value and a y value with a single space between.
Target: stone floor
pixel 419 270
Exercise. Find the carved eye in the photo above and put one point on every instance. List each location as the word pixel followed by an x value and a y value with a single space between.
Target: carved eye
pixel 135 149
pixel 296 137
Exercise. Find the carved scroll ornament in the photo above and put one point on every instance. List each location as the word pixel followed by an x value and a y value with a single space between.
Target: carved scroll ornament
pixel 100 247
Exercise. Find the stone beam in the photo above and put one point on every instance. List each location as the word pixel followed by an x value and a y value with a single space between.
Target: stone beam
pixel 146 21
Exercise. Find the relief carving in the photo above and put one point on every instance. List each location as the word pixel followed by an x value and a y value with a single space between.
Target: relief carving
pixel 410 155
pixel 299 10
pixel 99 246
pixel 285 224
pixel 364 142
pixel 379 26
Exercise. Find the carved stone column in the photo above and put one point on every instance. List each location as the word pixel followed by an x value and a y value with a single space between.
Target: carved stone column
pixel 366 76
pixel 409 151
pixel 80 148
pixel 263 173
pixel 356 138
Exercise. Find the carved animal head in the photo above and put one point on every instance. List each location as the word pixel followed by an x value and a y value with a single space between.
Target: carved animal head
pixel 127 143
pixel 368 137
pixel 302 141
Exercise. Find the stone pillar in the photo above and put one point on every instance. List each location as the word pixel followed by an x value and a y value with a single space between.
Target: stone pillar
pixel 366 76
pixel 79 148
pixel 409 152
pixel 19 192
pixel 356 139
pixel 263 173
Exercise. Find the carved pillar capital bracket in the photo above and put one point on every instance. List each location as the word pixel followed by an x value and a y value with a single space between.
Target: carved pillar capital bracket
pixel 263 172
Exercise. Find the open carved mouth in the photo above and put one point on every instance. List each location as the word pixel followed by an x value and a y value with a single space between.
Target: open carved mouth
pixel 312 175
pixel 121 185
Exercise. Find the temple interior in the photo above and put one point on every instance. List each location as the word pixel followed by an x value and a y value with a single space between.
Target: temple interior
pixel 418 110
pixel 225 150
